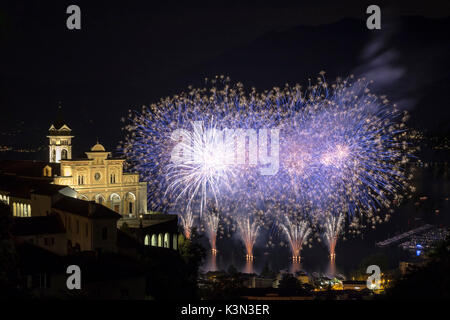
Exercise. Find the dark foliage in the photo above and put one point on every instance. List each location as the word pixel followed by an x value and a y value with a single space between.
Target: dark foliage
pixel 431 281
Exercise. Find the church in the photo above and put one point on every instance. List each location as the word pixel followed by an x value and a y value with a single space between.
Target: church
pixel 92 193
pixel 99 177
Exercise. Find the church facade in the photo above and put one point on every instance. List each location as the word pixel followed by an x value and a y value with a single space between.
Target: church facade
pixel 99 177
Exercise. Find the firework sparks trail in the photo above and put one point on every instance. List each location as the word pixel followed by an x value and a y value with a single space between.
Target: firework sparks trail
pixel 211 221
pixel 248 231
pixel 333 226
pixel 187 223
pixel 297 234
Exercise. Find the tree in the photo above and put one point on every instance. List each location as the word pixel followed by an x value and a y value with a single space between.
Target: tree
pixel 170 274
pixel 431 281
pixel 266 272
pixel 232 270
pixel 290 285
pixel 193 255
pixel 289 282
pixel 225 286
pixel 379 259
pixel 192 252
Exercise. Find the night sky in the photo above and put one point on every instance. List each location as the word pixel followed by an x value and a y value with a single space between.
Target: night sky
pixel 131 53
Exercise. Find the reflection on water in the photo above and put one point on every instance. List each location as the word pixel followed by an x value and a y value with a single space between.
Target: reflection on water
pixel 217 262
pixel 331 271
pixel 211 263
pixel 295 267
pixel 248 268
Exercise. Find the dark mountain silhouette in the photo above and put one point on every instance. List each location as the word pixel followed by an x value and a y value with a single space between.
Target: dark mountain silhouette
pixel 407 59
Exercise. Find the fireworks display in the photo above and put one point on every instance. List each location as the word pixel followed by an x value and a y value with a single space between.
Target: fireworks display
pixel 211 221
pixel 248 231
pixel 329 151
pixel 333 228
pixel 297 233
pixel 187 223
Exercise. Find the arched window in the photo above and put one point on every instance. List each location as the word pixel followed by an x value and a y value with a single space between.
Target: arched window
pixel 130 199
pixel 175 242
pixel 63 154
pixel 47 172
pixel 115 202
pixel 112 178
pixel 147 240
pixel 167 240
pixel 160 240
pixel 154 241
pixel 99 199
pixel 83 197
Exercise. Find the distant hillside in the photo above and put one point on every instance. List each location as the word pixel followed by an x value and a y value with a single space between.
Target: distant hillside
pixel 407 59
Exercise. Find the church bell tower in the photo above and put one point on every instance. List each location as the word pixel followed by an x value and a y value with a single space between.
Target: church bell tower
pixel 60 140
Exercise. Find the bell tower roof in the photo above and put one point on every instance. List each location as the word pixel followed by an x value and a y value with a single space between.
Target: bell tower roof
pixel 59 127
pixel 60 139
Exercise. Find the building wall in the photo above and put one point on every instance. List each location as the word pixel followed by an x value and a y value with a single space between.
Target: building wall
pixel 41 205
pixel 36 205
pixel 88 233
pixel 354 286
pixel 110 243
pixel 114 192
pixel 79 230
pixel 56 243
pixel 58 145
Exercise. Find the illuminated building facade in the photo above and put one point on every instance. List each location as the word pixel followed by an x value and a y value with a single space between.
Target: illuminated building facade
pixel 60 142
pixel 100 178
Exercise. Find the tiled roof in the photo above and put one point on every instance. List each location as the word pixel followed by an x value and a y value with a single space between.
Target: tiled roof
pixel 59 133
pixel 23 187
pixel 88 209
pixel 28 168
pixel 37 225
